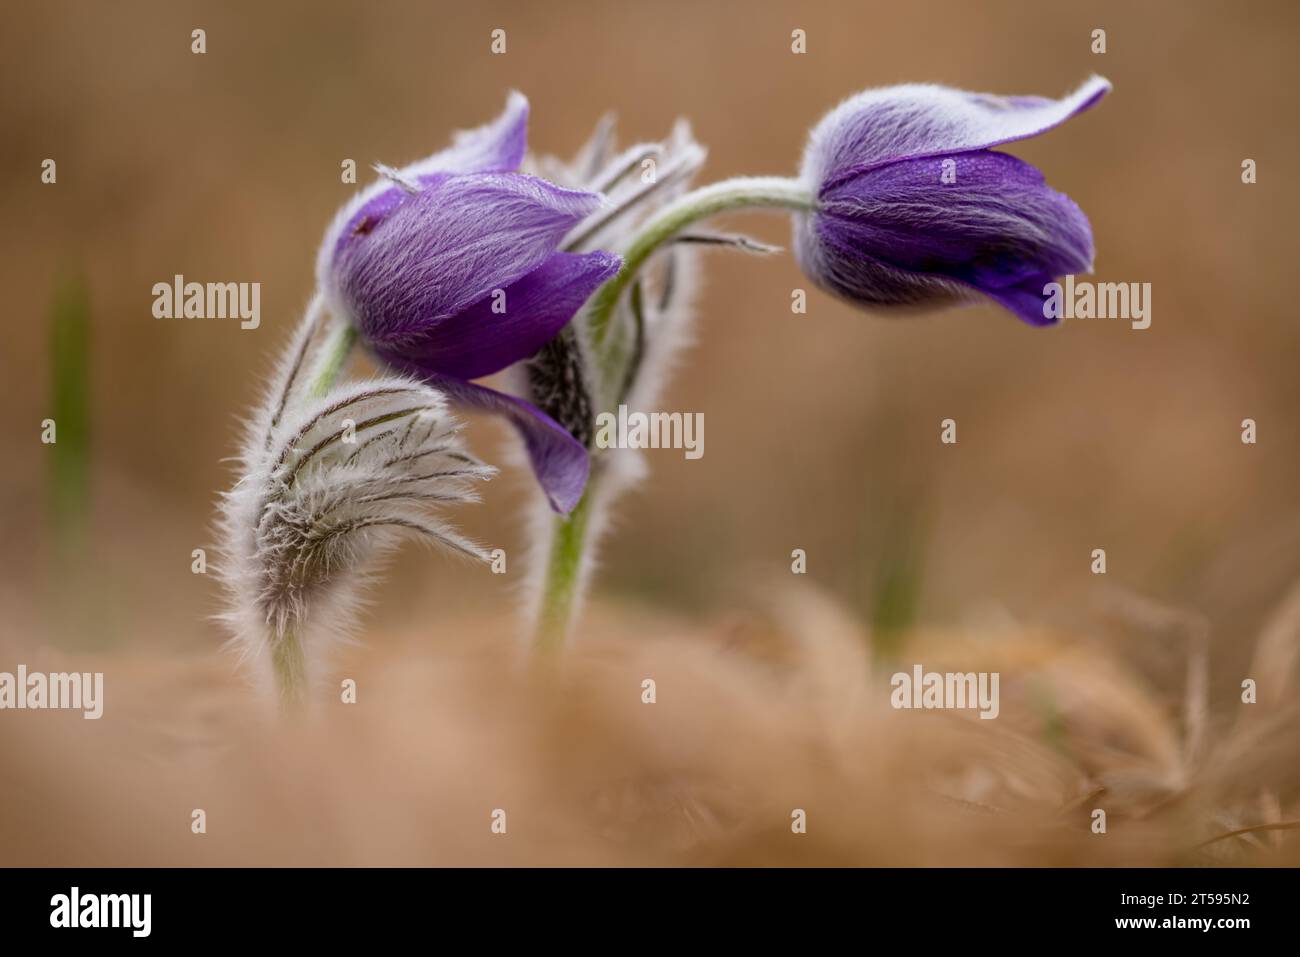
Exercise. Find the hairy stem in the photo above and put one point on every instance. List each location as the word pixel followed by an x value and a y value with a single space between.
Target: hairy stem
pixel 766 192
pixel 288 661
pixel 290 666
pixel 333 355
pixel 570 546
pixel 564 571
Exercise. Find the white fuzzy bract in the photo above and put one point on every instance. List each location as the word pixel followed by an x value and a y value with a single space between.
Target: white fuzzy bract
pixel 328 485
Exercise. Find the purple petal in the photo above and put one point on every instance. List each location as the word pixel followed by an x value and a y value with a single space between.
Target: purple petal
pixel 448 246
pixel 559 461
pixel 914 121
pixel 1025 300
pixel 498 146
pixel 378 206
pixel 480 340
pixel 830 255
pixel 900 235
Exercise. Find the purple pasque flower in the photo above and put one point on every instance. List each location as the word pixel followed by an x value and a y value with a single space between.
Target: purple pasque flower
pixel 451 270
pixel 914 208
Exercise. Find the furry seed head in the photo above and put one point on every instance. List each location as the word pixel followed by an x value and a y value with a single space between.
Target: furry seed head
pixel 331 485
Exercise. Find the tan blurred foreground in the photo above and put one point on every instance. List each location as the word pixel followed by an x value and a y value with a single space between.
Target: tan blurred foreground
pixel 752 720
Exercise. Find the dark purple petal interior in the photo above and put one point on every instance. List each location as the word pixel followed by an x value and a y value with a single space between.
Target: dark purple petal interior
pixel 500 330
pixel 982 219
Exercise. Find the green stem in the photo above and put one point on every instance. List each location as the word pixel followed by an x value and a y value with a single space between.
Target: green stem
pixel 290 667
pixel 747 192
pixel 569 541
pixel 563 572
pixel 334 354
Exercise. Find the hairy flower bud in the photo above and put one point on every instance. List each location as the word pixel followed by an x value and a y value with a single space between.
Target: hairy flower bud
pixel 915 209
pixel 452 269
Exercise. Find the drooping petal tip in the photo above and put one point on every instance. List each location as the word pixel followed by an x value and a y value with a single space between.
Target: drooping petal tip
pixel 559 461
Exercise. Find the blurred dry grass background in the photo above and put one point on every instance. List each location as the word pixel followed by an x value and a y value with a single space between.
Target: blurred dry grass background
pixel 822 434
pixel 777 711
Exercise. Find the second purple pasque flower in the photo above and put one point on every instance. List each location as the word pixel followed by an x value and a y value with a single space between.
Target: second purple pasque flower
pixel 451 270
pixel 915 208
